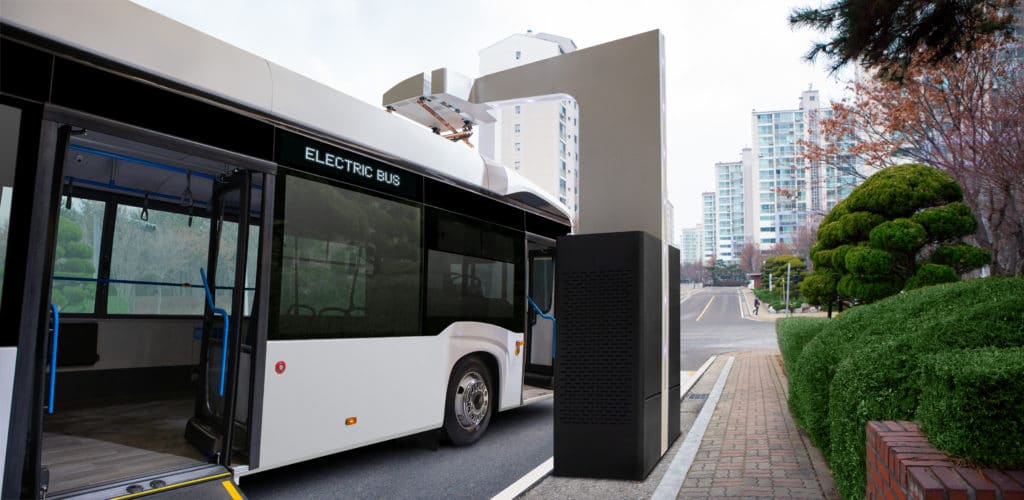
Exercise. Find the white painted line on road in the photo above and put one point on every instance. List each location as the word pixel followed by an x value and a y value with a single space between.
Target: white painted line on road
pixel 739 300
pixel 672 481
pixel 685 388
pixel 524 483
pixel 706 308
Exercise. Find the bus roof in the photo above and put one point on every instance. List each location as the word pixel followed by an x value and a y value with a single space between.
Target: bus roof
pixel 137 37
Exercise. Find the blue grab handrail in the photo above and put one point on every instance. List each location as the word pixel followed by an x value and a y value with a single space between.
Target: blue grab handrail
pixel 554 325
pixel 53 356
pixel 136 282
pixel 227 319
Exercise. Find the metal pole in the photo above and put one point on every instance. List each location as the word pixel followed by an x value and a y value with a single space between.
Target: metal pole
pixel 787 290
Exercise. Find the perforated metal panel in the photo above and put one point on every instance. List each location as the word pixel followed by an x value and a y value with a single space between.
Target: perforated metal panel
pixel 598 386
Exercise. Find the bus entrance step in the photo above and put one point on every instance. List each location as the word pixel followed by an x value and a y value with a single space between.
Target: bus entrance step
pixel 216 489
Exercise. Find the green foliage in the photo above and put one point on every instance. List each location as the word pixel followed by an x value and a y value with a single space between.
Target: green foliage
pixel 971 404
pixel 899 235
pixel 864 365
pixel 776 267
pixel 931 274
pixel 870 240
pixel 819 287
pixel 867 289
pixel 961 257
pixel 74 260
pixel 723 273
pixel 857 225
pixel 900 191
pixel 954 220
pixel 794 334
pixel 864 261
pixel 777 298
pixel 889 36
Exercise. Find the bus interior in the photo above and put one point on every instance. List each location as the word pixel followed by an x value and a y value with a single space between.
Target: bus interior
pixel 139 351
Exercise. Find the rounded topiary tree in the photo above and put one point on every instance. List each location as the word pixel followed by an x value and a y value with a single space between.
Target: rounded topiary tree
pixel 900 229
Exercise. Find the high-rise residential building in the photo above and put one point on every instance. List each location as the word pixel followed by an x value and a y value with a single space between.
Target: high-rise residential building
pixel 791 192
pixel 710 226
pixel 729 196
pixel 732 195
pixel 540 139
pixel 691 244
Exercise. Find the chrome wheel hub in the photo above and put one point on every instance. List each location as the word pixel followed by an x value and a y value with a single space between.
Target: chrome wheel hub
pixel 472 401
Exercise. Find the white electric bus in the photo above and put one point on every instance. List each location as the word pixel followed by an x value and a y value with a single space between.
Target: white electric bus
pixel 213 266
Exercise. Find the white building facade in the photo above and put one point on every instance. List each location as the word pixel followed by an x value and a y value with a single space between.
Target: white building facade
pixel 691 244
pixel 708 207
pixel 790 192
pixel 538 139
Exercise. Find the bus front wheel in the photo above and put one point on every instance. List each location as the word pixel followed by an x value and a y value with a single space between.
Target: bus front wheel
pixel 467 409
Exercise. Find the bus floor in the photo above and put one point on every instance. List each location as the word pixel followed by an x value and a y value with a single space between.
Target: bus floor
pixel 95 445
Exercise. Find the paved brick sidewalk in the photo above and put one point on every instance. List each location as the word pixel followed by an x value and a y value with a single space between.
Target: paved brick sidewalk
pixel 752 447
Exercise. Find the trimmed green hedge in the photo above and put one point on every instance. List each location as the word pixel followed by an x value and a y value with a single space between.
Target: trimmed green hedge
pixel 966 398
pixel 793 334
pixel 866 364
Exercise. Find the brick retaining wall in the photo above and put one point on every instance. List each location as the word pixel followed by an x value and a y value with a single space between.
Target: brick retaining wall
pixel 902 464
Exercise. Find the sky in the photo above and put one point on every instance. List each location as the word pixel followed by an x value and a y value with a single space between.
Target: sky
pixel 723 58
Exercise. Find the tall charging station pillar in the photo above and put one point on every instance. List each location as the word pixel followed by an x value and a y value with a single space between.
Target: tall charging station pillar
pixel 608 369
pixel 616 290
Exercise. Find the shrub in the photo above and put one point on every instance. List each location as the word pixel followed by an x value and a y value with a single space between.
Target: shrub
pixel 867 289
pixel 899 235
pixel 946 222
pixel 864 261
pixel 931 274
pixel 898 210
pixel 793 334
pixel 972 404
pixel 864 365
pixel 961 257
pixel 819 287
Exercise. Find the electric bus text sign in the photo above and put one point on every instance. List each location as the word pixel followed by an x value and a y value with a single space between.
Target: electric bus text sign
pixel 346 166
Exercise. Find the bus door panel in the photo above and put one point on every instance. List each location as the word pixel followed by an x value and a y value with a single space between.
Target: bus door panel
pixel 226 348
pixel 541 323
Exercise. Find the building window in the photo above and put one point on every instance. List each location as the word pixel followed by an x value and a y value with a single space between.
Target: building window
pixel 517 129
pixel 518 110
pixel 516 164
pixel 519 55
pixel 517 148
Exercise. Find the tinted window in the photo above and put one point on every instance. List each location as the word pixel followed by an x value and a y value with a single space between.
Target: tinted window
pixel 350 264
pixel 10 121
pixel 474 273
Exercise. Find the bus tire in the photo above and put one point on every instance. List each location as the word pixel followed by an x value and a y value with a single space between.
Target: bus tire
pixel 468 405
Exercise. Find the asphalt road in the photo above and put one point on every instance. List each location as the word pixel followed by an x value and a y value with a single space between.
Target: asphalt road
pixel 516 441
pixel 711 324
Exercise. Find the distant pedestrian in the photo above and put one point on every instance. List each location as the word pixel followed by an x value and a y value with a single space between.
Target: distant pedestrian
pixel 757 305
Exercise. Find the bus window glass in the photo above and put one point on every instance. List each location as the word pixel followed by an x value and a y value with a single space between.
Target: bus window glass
pixel 77 256
pixel 350 264
pixel 10 121
pixel 226 265
pixel 470 287
pixel 542 280
pixel 473 273
pixel 159 255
